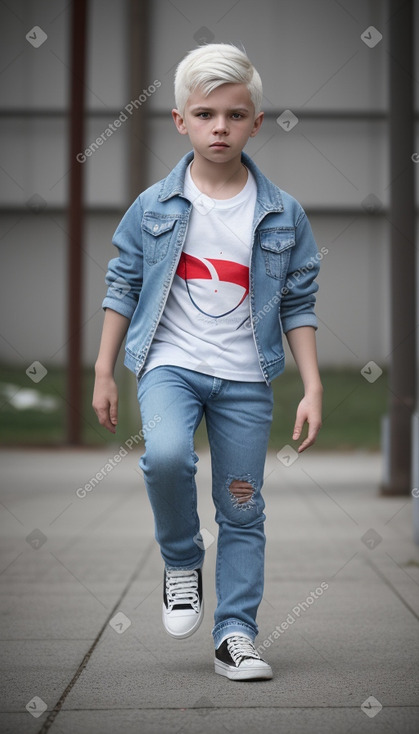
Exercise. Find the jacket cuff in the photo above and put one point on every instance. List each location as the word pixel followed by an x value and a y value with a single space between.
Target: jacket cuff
pixel 293 322
pixel 120 305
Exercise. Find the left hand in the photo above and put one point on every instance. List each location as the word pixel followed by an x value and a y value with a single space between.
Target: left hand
pixel 309 411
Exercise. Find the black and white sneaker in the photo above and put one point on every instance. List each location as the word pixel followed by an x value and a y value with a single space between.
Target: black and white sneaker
pixel 183 605
pixel 238 659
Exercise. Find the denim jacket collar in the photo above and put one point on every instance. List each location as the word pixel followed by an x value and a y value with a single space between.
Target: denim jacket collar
pixel 268 195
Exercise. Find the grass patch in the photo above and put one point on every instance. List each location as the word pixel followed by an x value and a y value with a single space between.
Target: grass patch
pixel 352 412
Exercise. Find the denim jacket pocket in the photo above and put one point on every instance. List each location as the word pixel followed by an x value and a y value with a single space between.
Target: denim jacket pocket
pixel 157 235
pixel 276 246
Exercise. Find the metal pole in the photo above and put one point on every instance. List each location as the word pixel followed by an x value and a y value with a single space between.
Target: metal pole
pixel 139 35
pixel 75 214
pixel 139 30
pixel 402 257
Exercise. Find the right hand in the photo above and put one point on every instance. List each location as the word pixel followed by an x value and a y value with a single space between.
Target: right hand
pixel 105 402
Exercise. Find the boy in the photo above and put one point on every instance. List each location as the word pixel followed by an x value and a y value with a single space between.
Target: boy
pixel 215 262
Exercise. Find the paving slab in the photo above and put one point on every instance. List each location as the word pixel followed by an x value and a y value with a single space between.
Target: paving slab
pixel 338 621
pixel 245 719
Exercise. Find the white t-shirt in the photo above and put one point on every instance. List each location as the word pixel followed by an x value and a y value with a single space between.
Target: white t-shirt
pixel 205 323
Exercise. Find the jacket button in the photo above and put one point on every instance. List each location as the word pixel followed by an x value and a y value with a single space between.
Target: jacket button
pixel 155 228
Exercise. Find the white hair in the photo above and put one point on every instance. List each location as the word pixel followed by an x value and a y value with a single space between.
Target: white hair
pixel 211 65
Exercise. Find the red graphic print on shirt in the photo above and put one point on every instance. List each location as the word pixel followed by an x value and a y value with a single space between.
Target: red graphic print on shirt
pixel 215 287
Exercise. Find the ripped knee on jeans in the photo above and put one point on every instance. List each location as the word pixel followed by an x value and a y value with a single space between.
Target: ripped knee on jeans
pixel 241 490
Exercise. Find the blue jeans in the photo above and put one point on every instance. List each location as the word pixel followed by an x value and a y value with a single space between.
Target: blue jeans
pixel 238 418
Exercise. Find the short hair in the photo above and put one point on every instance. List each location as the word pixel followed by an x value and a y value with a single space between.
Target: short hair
pixel 212 65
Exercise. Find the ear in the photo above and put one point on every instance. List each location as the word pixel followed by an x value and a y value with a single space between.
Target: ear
pixel 179 122
pixel 257 124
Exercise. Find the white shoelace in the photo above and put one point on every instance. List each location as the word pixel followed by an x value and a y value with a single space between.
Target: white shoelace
pixel 182 588
pixel 241 647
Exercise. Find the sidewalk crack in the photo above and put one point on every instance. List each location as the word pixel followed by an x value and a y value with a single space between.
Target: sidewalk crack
pixel 58 706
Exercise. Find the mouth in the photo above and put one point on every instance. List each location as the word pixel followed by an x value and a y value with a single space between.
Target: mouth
pixel 219 144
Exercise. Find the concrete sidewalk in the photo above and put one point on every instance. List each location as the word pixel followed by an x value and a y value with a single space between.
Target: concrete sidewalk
pixel 83 649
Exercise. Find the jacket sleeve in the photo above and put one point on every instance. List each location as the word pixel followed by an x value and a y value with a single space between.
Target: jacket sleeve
pixel 125 272
pixel 298 299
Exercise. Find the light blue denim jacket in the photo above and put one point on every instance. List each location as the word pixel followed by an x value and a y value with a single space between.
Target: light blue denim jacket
pixel 150 238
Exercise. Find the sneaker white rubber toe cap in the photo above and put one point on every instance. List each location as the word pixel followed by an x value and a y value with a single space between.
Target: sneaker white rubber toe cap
pixel 182 623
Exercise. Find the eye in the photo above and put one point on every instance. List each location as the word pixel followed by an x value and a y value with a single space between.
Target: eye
pixel 203 115
pixel 237 115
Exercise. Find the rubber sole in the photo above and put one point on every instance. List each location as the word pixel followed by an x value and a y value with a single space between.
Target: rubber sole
pixel 255 672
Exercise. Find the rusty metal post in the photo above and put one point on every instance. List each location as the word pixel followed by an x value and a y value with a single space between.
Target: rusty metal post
pixel 76 222
pixel 139 41
pixel 139 34
pixel 402 257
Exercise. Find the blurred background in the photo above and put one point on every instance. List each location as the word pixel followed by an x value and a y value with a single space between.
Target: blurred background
pixel 328 62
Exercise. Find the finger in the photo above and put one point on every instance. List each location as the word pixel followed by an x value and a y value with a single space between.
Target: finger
pixel 104 419
pixel 296 432
pixel 108 422
pixel 311 438
pixel 110 426
pixel 298 427
pixel 113 413
pixel 305 445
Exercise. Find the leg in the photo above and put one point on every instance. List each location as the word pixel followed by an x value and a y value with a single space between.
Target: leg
pixel 238 423
pixel 169 463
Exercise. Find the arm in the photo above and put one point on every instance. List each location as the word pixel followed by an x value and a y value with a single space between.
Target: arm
pixel 124 279
pixel 105 394
pixel 302 342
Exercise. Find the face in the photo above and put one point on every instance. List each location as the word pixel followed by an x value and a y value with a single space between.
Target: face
pixel 219 124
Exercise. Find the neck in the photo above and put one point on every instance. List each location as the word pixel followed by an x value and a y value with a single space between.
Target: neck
pixel 218 180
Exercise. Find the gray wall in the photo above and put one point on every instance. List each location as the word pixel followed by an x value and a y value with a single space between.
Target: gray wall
pixel 312 61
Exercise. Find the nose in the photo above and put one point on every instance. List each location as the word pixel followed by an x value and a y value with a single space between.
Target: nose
pixel 220 125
